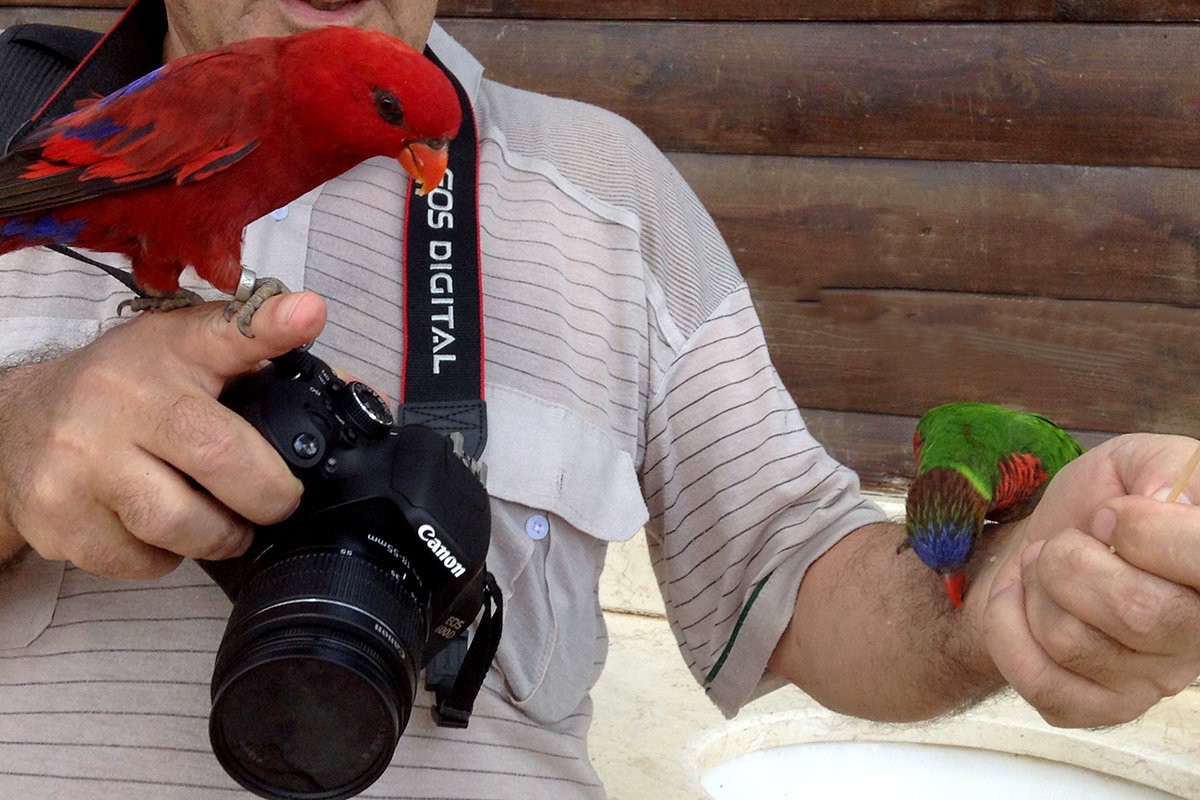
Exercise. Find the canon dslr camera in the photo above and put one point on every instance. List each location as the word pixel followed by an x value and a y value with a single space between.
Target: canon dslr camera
pixel 339 608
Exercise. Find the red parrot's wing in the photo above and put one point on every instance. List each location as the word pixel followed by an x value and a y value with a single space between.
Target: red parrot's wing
pixel 148 132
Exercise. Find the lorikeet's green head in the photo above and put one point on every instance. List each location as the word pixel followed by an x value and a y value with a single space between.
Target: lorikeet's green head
pixel 945 516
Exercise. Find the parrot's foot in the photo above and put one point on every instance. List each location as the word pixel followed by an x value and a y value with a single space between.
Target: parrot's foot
pixel 160 301
pixel 251 293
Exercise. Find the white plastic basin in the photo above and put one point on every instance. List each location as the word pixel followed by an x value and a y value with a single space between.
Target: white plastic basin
pixel 900 771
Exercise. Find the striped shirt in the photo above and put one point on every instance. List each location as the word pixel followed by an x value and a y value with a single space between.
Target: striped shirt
pixel 628 385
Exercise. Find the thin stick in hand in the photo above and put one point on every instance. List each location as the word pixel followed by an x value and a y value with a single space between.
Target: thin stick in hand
pixel 1188 469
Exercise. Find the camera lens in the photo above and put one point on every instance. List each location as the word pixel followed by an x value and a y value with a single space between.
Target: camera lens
pixel 316 675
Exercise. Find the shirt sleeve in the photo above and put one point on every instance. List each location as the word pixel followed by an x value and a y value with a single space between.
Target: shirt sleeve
pixel 742 499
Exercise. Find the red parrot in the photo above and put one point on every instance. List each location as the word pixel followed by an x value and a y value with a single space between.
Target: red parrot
pixel 170 169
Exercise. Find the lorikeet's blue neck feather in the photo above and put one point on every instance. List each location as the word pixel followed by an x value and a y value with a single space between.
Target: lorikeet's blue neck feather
pixel 944 546
pixel 945 514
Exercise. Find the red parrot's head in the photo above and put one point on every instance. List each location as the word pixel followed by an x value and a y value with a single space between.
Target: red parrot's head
pixel 360 94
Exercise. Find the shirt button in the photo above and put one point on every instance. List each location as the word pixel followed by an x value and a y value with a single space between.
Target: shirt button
pixel 537 527
pixel 280 214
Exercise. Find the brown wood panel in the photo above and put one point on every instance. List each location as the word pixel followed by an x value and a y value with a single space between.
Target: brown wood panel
pixel 1122 94
pixel 781 10
pixel 877 446
pixel 981 10
pixel 785 9
pixel 1126 10
pixel 1105 366
pixel 797 225
pixel 758 10
pixel 1107 94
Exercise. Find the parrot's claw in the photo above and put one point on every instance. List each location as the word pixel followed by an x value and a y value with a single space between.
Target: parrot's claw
pixel 251 294
pixel 170 301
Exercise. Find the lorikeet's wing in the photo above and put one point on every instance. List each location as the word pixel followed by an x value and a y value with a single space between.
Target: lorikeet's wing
pixel 965 437
pixel 1037 449
pixel 1007 455
pixel 144 133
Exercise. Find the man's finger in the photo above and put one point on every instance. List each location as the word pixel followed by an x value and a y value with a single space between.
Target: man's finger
pixel 1060 696
pixel 284 322
pixel 219 450
pixel 1160 538
pixel 1139 610
pixel 91 536
pixel 158 506
pixel 1084 611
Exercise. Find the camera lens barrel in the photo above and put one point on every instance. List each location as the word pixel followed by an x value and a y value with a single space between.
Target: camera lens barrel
pixel 316 674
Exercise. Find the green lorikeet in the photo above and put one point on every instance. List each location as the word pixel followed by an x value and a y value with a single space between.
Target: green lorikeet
pixel 976 462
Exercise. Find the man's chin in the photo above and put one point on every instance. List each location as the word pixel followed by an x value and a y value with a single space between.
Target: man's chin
pixel 307 14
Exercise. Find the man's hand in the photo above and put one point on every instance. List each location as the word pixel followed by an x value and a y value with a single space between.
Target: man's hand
pixel 1092 610
pixel 103 451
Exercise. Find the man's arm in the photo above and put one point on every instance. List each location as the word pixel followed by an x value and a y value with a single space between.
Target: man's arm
pixel 1089 607
pixel 103 450
pixel 873 635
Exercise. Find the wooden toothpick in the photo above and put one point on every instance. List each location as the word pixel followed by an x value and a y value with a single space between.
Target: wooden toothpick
pixel 1188 469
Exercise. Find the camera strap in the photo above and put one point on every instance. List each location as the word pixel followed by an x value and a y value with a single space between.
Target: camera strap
pixel 443 304
pixel 443 379
pixel 455 685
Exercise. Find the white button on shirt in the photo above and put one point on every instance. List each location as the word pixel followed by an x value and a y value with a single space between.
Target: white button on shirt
pixel 538 527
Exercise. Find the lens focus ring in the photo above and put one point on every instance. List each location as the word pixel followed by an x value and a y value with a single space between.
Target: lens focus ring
pixel 348 580
pixel 339 637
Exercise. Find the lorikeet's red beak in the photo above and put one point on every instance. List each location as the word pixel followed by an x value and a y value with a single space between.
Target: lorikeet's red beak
pixel 955 582
pixel 426 162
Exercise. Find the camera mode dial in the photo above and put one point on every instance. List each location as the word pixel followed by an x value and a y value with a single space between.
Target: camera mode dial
pixel 366 410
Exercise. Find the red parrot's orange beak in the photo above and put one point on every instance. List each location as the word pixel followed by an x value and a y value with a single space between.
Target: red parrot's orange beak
pixel 426 162
pixel 954 583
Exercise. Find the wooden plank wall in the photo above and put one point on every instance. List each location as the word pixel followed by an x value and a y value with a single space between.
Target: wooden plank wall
pixel 931 199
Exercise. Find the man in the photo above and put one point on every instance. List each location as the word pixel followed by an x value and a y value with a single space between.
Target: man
pixel 628 383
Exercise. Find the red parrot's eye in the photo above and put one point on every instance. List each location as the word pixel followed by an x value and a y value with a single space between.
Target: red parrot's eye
pixel 389 107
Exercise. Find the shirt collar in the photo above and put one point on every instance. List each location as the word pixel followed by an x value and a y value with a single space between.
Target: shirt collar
pixel 457 59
